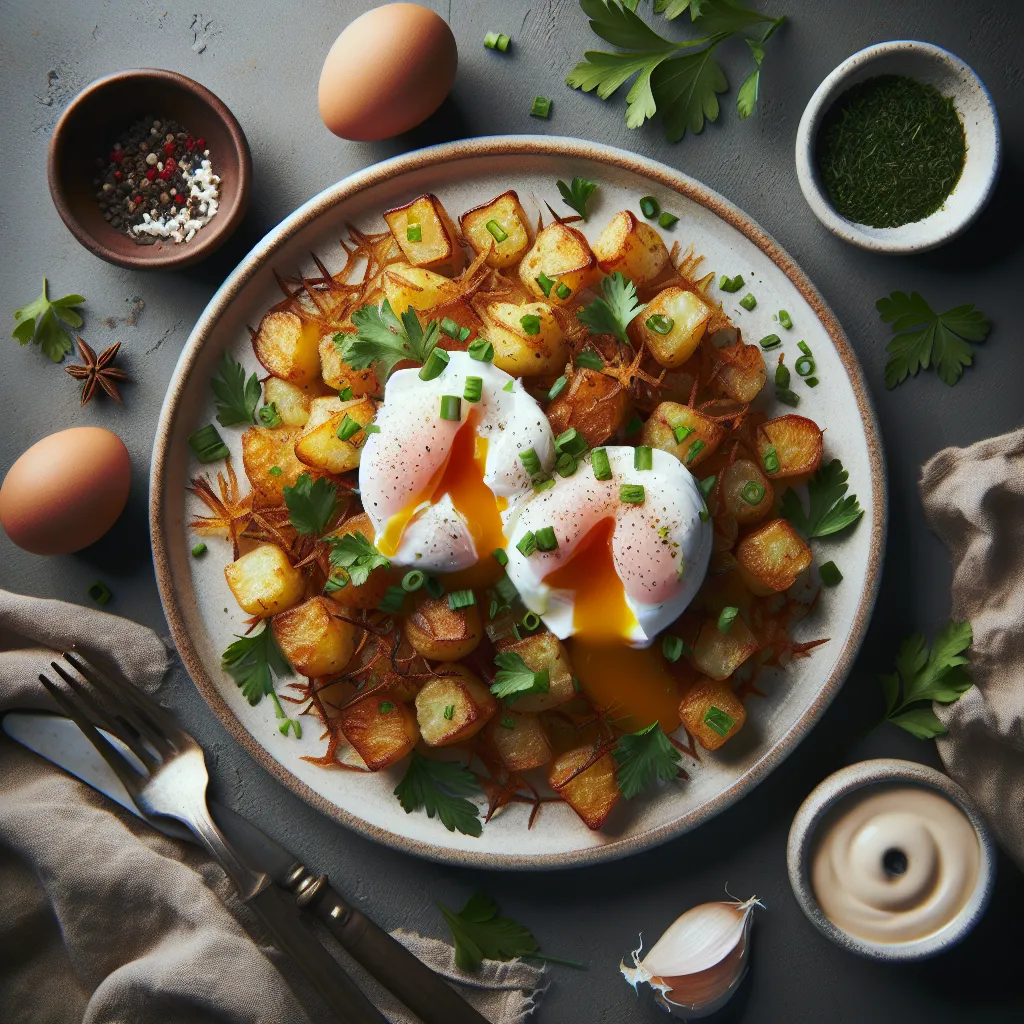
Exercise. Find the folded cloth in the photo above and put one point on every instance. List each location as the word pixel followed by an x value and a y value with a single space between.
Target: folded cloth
pixel 103 919
pixel 974 500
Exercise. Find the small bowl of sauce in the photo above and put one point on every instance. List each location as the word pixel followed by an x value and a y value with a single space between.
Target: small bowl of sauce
pixel 891 860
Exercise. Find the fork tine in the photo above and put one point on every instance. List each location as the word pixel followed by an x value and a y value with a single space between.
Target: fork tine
pixel 124 771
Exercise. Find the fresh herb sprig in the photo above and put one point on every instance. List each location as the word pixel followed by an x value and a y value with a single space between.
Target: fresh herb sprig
pixel 515 678
pixel 830 509
pixel 923 676
pixel 311 504
pixel 612 313
pixel 577 193
pixel 253 661
pixel 643 757
pixel 923 337
pixel 440 788
pixel 236 397
pixel 41 321
pixel 356 557
pixel 384 340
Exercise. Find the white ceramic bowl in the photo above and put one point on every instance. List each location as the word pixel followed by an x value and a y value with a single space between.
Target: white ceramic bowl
pixel 952 77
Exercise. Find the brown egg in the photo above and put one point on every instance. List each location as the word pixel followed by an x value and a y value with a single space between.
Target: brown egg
pixel 66 491
pixel 388 71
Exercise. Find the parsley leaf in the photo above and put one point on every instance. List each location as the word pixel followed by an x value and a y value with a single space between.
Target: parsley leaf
pixel 576 194
pixel 612 314
pixel 515 678
pixel 237 397
pixel 480 934
pixel 40 321
pixel 923 337
pixel 922 677
pixel 311 504
pixel 440 788
pixel 643 757
pixel 384 340
pixel 829 510
pixel 252 661
pixel 357 557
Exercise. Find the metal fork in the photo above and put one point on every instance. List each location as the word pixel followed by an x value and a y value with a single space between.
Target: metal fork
pixel 173 785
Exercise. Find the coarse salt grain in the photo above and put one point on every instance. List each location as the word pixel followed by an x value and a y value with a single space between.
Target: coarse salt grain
pixel 183 225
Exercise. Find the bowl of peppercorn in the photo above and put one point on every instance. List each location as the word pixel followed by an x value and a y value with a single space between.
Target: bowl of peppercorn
pixel 898 149
pixel 149 170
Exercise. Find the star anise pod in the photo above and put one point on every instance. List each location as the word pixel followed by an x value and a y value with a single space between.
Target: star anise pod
pixel 98 371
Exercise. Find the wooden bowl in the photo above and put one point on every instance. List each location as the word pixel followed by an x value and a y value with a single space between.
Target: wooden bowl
pixel 98 115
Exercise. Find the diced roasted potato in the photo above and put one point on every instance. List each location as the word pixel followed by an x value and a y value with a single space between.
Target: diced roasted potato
pixel 594 403
pixel 520 740
pixel 406 286
pixel 321 444
pixel 313 639
pixel 683 432
pixel 717 654
pixel 368 594
pixel 796 442
pixel 264 453
pixel 631 248
pixel 711 712
pixel 500 228
pixel 292 402
pixel 426 235
pixel 264 582
pixel 685 315
pixel 738 371
pixel 745 492
pixel 339 375
pixel 771 558
pixel 287 346
pixel 439 633
pixel 593 792
pixel 453 706
pixel 381 729
pixel 561 254
pixel 544 652
pixel 516 350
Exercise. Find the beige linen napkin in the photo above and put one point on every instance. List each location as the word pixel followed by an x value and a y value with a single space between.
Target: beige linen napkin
pixel 103 920
pixel 974 500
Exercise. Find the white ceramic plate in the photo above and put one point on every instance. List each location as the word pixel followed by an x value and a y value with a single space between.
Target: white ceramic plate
pixel 203 615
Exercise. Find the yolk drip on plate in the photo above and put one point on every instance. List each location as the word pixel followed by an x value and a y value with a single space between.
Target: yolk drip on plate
pixel 461 477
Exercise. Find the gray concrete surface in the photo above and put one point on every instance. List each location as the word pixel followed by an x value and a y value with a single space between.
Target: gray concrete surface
pixel 264 60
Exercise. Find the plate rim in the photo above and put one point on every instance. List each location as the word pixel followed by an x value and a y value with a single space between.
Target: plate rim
pixel 516 145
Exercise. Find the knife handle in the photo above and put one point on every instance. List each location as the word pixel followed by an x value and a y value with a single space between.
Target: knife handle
pixel 427 994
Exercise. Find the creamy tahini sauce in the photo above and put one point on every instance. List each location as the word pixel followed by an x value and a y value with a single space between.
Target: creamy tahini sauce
pixel 895 865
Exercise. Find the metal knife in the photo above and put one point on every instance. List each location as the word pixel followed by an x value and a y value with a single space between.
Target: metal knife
pixel 427 994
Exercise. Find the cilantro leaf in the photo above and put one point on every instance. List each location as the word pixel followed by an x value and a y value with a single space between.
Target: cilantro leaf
pixel 237 397
pixel 515 678
pixel 480 934
pixel 613 313
pixel 384 340
pixel 643 757
pixel 922 677
pixel 829 511
pixel 40 321
pixel 576 194
pixel 311 504
pixel 356 556
pixel 252 661
pixel 923 337
pixel 440 788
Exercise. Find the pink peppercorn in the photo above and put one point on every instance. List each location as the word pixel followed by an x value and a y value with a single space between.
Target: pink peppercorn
pixel 151 174
pixel 116 155
pixel 179 199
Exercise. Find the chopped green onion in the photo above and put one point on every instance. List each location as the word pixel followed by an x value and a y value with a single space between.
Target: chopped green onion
pixel 474 389
pixel 771 341
pixel 545 283
pixel 718 721
pixel 371 428
pixel 727 618
pixel 385 707
pixel 571 441
pixel 541 107
pixel 412 581
pixel 804 347
pixel 566 464
pixel 414 233
pixel 269 416
pixel 600 465
pixel 461 599
pixel 497 231
pixel 508 723
pixel 348 428
pixel 668 220
pixel 449 712
pixel 785 319
pixel 546 539
pixel 450 327
pixel 696 447
pixel 782 376
pixel 499 556
pixel 771 459
pixel 530 621
pixel 788 397
pixel 531 323
pixel 510 386
pixel 506 590
pixel 660 324
pixel 435 364
pixel 563 291
pixel 345 394
pixel 394 598
pixel 208 444
pixel 527 544
pixel 435 588
pixel 682 433
pixel 199 550
pixel 497 41
pixel 590 360
pixel 753 492
pixel 530 461
pixel 830 574
pixel 748 302
pixel 634 424
pixel 707 484
pixel 704 515
pixel 804 366
pixel 632 494
pixel 542 482
pixel 557 388
pixel 275 471
pixel 451 407
pixel 643 457
pixel 811 382
pixel 672 647
pixel 731 284
pixel 650 207
pixel 481 350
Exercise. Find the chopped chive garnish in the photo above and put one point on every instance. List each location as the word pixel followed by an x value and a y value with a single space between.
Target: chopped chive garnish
pixel 660 324
pixel 634 424
pixel 633 494
pixel 499 556
pixel 530 461
pixel 269 416
pixel 527 544
pixel 391 603
pixel 497 41
pixel 199 550
pixel 464 333
pixel 566 464
pixel 753 492
pixel 672 647
pixel 696 447
pixel 510 386
pixel 531 323
pixel 435 364
pixel 508 723
pixel 599 463
pixel 385 707
pixel 571 441
pixel 481 350
pixel 771 459
pixel 707 484
pixel 541 107
pixel 788 397
pixel 451 407
pixel 668 220
pixel 530 621
pixel 782 376
pixel 588 359
pixel 413 581
pixel 804 347
pixel 682 433
pixel 542 482
pixel 497 231
pixel 811 382
pixel 718 721
pixel 727 618
pixel 414 233
pixel 450 327
pixel 345 394
pixel 506 590
pixel 804 366
pixel 557 388
pixel 704 515
pixel 449 712
pixel 275 471
pixel 748 302
pixel 771 341
pixel 208 444
pixel 546 539
pixel 371 428
pixel 731 284
pixel 650 207
pixel 348 428
pixel 545 283
pixel 830 574
pixel 785 319
pixel 474 389
pixel 461 599
pixel 435 588
pixel 563 291
pixel 643 457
